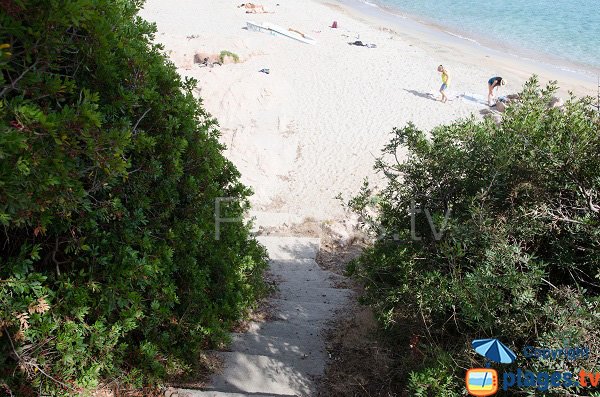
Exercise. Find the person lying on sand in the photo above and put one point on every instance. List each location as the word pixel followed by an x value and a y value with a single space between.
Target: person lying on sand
pixel 297 31
pixel 252 8
pixel 361 44
pixel 445 79
pixel 494 82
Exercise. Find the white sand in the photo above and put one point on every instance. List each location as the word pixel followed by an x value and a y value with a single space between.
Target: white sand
pixel 313 127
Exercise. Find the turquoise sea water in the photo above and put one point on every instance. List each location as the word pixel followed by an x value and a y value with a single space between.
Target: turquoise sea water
pixel 562 29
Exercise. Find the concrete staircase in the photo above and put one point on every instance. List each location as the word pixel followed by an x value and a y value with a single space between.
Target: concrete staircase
pixel 283 357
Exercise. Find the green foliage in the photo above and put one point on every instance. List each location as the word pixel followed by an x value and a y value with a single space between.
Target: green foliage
pixel 109 171
pixel 518 256
pixel 226 53
pixel 434 379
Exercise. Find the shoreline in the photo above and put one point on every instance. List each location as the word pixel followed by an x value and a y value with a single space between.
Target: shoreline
pixel 580 78
pixel 585 70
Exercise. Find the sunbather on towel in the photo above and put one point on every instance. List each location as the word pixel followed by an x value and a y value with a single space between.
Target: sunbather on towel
pixel 297 31
pixel 252 8
pixel 361 44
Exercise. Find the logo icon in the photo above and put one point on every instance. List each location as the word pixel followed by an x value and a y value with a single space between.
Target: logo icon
pixel 494 350
pixel 482 382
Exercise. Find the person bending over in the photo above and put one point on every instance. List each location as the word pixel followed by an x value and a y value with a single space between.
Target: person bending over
pixel 494 82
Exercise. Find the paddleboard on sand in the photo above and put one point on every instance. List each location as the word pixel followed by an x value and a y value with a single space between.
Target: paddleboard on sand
pixel 276 30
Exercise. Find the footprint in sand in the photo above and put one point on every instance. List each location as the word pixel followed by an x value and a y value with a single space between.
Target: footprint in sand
pixel 286 127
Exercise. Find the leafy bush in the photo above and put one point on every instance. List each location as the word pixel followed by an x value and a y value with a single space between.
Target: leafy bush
pixel 435 379
pixel 518 256
pixel 226 53
pixel 109 172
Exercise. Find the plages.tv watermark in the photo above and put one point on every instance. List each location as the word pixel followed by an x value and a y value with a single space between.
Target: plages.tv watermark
pixel 483 382
pixel 219 219
pixel 383 233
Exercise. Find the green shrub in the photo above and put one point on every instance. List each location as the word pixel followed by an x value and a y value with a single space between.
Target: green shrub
pixel 518 257
pixel 225 53
pixel 436 378
pixel 109 171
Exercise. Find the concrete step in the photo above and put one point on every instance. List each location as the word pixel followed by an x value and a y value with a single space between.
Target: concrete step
pixel 309 356
pixel 282 329
pixel 279 339
pixel 200 393
pixel 250 373
pixel 314 278
pixel 290 265
pixel 272 219
pixel 290 247
pixel 292 292
pixel 304 312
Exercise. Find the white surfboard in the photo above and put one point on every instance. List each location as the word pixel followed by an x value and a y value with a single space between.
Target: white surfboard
pixel 277 30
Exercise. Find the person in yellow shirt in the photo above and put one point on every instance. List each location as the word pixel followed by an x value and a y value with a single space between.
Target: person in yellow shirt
pixel 445 79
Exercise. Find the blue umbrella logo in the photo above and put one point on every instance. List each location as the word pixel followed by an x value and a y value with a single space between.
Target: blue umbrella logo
pixel 494 350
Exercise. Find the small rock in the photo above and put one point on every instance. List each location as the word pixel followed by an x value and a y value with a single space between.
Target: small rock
pixel 206 58
pixel 170 392
pixel 340 232
pixel 556 102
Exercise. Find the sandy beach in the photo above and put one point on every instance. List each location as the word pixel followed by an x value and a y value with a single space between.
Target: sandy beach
pixel 313 126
